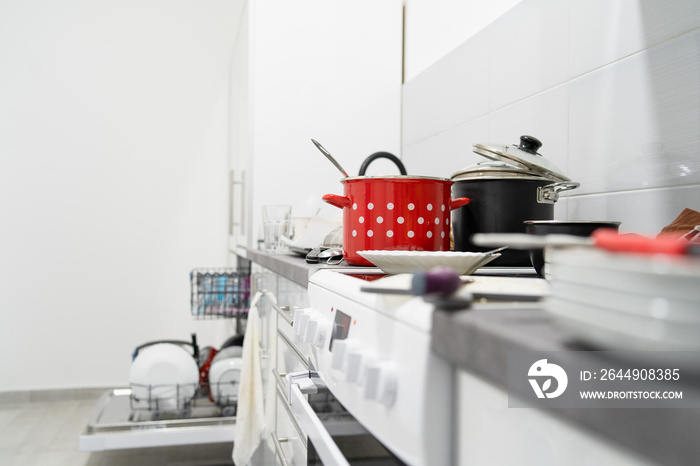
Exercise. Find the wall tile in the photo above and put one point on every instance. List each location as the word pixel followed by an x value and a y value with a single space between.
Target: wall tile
pixel 636 123
pixel 420 107
pixel 643 211
pixel 456 145
pixel 529 50
pixel 463 91
pixel 543 116
pixel 603 31
pixel 420 158
pixel 449 151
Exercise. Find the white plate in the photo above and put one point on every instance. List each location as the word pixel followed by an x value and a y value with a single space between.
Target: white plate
pixel 463 263
pixel 224 377
pixel 165 372
pixel 228 352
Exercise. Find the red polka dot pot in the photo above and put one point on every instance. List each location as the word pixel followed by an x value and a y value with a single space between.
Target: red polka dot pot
pixel 405 213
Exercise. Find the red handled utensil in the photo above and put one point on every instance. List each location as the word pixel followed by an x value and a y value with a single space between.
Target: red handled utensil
pixel 603 238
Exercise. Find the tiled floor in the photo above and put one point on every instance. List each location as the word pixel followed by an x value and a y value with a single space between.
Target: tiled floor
pixel 46 433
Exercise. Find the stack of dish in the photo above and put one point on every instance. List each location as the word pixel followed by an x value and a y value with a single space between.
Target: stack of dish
pixel 225 374
pixel 623 301
pixel 163 377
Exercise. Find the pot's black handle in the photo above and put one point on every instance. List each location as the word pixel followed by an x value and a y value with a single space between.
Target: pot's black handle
pixel 530 144
pixel 382 155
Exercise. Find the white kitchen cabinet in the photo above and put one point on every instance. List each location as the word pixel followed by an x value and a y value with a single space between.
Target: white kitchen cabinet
pixel 485 423
pixel 327 70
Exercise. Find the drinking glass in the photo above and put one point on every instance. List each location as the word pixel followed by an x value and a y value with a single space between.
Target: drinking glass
pixel 277 222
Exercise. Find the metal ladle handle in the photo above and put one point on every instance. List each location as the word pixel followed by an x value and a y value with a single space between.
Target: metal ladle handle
pixel 330 157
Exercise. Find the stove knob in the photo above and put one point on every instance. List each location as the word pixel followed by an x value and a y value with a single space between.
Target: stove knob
pixel 301 320
pixel 311 331
pixel 371 391
pixel 340 351
pixel 316 331
pixel 322 332
pixel 354 361
pixel 381 382
pixel 358 360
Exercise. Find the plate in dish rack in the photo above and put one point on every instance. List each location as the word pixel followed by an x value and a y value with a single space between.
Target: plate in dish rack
pixel 463 263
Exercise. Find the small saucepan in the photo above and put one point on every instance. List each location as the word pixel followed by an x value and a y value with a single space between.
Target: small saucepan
pixel 407 213
pixel 570 227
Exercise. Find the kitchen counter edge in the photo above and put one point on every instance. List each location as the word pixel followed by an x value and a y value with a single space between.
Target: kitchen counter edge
pixel 290 266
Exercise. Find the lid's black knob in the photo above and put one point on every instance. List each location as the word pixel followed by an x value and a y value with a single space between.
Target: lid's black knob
pixel 530 144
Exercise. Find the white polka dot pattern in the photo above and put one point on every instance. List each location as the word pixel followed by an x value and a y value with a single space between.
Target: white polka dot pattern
pixel 409 223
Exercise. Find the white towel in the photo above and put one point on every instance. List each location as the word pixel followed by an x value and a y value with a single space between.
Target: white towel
pixel 250 418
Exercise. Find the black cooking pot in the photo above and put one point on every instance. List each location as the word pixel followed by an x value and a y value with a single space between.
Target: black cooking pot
pixel 516 185
pixel 556 227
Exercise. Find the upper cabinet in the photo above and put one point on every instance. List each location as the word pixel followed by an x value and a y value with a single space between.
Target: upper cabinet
pixel 320 69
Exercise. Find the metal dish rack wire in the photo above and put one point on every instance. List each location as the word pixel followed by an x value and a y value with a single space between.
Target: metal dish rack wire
pixel 220 292
pixel 182 401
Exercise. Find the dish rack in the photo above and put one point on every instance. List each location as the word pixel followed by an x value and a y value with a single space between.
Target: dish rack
pixel 220 292
pixel 179 403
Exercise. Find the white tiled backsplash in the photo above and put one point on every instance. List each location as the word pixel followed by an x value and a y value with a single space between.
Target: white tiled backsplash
pixel 611 87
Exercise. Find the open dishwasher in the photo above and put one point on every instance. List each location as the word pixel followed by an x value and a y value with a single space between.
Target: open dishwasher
pixel 175 397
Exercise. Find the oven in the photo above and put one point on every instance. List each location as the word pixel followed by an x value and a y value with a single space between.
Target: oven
pixel 356 382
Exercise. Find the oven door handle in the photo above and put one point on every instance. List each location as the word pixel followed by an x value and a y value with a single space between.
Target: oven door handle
pixel 327 450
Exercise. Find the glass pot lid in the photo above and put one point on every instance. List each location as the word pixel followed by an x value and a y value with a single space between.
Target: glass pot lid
pixel 521 161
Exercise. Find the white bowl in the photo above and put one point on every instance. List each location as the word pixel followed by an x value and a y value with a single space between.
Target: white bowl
pixel 163 376
pixel 394 262
pixel 224 377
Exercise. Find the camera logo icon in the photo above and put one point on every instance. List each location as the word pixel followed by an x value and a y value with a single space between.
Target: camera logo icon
pixel 544 372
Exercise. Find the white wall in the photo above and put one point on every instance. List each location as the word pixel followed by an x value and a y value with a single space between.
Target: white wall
pixel 612 88
pixel 318 69
pixel 113 149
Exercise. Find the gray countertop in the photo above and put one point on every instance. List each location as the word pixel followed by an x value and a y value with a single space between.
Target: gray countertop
pixel 479 341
